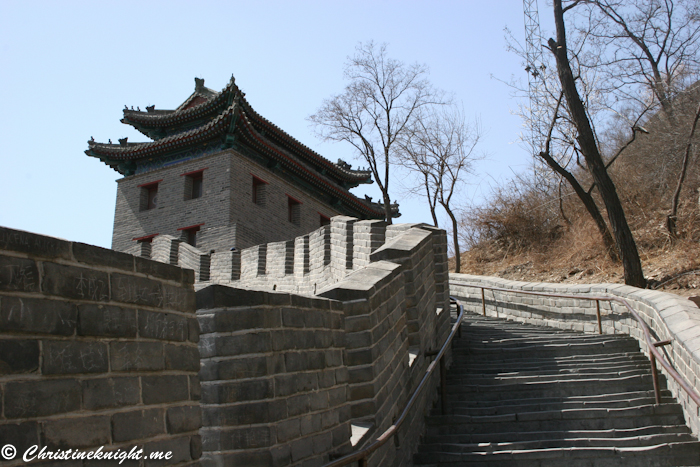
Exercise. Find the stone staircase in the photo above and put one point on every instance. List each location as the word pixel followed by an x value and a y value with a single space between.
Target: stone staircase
pixel 533 396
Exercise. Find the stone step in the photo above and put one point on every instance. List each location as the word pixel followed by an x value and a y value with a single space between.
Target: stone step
pixel 554 388
pixel 564 441
pixel 505 437
pixel 585 399
pixel 671 454
pixel 562 364
pixel 517 378
pixel 455 408
pixel 523 395
pixel 573 418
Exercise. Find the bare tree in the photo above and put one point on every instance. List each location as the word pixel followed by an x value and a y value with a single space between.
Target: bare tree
pixel 672 216
pixel 645 51
pixel 440 147
pixel 382 100
pixel 587 143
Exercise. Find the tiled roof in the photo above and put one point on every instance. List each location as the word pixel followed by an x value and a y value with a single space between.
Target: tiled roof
pixel 215 130
pixel 218 102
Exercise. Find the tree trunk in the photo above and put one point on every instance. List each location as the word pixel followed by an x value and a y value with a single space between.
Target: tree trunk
pixel 589 204
pixel 672 217
pixel 455 238
pixel 594 161
pixel 387 208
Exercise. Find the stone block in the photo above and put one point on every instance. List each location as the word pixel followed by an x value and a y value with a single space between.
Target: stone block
pixel 137 424
pixel 77 432
pixel 75 282
pixel 323 443
pixel 40 316
pixel 28 399
pixel 72 357
pixel 230 439
pixel 166 326
pixel 219 296
pixel 236 415
pixel 195 446
pixel 182 357
pixel 179 298
pixel 105 320
pixel 160 270
pixel 293 317
pixel 229 392
pixel 174 450
pixel 34 244
pixel 193 330
pixel 18 356
pixel 136 290
pixel 298 405
pixel 195 388
pixel 288 430
pixel 21 435
pixel 162 389
pixel 97 256
pixel 238 368
pixel 104 393
pixel 243 458
pixel 185 418
pixel 18 275
pixel 254 342
pixel 136 356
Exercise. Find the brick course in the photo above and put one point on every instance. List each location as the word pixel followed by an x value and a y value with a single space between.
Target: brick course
pixel 226 207
pixel 85 336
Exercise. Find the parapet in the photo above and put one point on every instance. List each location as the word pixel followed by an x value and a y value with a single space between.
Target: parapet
pixel 98 348
pixel 304 265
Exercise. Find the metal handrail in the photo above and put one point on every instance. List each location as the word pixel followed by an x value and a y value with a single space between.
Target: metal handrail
pixel 654 354
pixel 362 454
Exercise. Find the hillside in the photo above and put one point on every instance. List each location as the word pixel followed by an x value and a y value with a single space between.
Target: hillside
pixel 540 231
pixel 576 258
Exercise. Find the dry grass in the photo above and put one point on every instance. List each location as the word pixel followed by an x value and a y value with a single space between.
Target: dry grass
pixel 522 233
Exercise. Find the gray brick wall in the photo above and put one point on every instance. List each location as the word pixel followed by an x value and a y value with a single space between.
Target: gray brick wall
pixel 226 208
pixel 273 381
pixel 97 348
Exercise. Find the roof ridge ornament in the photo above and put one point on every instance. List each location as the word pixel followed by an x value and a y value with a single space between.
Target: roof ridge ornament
pixel 198 84
pixel 150 108
pixel 123 141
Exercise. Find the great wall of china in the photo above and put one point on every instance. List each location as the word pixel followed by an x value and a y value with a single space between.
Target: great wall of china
pixel 273 355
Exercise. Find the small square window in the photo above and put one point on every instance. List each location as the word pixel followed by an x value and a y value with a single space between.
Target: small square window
pixel 197 186
pixel 293 211
pixel 189 234
pixel 149 196
pixel 194 184
pixel 259 191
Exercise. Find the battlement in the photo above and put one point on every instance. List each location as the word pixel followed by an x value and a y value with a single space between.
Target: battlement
pixel 303 265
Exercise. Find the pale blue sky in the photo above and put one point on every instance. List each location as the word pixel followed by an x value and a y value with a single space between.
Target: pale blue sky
pixel 68 68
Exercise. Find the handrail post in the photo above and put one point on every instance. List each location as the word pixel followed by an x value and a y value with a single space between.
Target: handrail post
pixel 443 389
pixel 362 462
pixel 655 378
pixel 483 302
pixel 597 307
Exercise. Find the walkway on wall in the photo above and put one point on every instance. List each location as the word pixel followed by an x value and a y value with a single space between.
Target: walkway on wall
pixel 525 395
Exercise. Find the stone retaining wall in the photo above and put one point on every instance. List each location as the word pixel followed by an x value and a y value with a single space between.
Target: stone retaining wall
pixel 668 316
pixel 97 348
pixel 295 372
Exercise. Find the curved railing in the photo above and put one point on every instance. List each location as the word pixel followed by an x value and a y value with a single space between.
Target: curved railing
pixel 654 354
pixel 362 455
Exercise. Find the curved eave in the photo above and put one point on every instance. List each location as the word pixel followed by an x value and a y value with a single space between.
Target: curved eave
pixel 215 104
pixel 253 138
pixel 134 151
pixel 285 140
